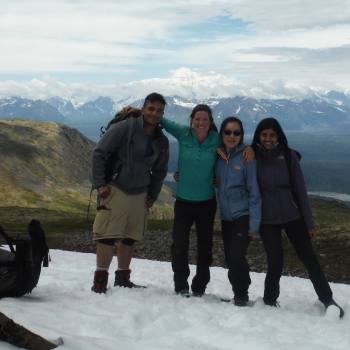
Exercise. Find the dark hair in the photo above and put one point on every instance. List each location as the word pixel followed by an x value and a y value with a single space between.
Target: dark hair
pixel 204 108
pixel 154 97
pixel 270 123
pixel 232 120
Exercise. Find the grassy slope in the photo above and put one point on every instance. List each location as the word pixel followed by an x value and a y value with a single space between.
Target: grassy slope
pixel 38 167
pixel 44 174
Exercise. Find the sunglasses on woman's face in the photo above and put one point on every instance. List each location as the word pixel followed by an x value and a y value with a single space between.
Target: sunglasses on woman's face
pixel 232 132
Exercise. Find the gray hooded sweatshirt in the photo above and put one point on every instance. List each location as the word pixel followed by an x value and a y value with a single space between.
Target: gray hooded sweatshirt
pixel 130 160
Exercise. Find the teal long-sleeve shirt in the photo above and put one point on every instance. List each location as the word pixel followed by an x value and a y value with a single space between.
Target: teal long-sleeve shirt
pixel 196 162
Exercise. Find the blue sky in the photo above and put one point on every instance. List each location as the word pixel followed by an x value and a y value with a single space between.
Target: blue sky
pixel 266 49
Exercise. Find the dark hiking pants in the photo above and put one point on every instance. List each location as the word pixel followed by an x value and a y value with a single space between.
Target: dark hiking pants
pixel 203 215
pixel 298 235
pixel 236 239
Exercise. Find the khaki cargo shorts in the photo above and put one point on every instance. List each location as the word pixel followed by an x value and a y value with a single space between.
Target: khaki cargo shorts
pixel 122 216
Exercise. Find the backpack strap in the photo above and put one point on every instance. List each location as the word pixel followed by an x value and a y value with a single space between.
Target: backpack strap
pixel 129 140
pixel 89 205
pixel 8 240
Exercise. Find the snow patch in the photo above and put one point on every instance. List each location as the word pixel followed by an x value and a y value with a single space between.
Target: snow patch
pixel 155 318
pixel 340 109
pixel 333 195
pixel 182 103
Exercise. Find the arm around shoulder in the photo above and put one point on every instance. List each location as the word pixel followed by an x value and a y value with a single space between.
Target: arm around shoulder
pixel 173 128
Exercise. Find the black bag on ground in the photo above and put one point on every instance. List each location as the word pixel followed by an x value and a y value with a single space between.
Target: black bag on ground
pixel 21 266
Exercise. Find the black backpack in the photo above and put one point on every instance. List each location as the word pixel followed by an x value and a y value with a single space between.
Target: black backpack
pixel 20 267
pixel 120 116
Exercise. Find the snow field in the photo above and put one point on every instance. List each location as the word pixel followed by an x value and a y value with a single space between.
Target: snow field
pixel 155 318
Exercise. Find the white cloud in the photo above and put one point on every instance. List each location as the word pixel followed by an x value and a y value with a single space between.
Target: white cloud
pixel 291 14
pixel 182 82
pixel 295 41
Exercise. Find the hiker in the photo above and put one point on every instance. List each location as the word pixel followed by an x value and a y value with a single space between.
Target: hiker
pixel 285 205
pixel 129 164
pixel 195 197
pixel 240 205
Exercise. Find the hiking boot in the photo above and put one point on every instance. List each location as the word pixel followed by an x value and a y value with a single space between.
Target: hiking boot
pixel 241 301
pixel 271 303
pixel 122 279
pixel 100 281
pixel 199 283
pixel 333 303
pixel 183 293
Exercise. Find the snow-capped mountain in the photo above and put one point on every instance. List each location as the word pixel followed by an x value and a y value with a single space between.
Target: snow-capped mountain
pixel 92 110
pixel 329 111
pixel 17 107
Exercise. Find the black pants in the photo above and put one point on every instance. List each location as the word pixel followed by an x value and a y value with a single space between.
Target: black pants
pixel 203 215
pixel 236 239
pixel 298 235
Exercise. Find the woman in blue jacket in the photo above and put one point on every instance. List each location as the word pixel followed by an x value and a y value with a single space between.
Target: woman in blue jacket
pixel 240 205
pixel 285 206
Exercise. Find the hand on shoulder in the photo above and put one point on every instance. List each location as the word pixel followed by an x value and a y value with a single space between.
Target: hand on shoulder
pixel 135 112
pixel 248 154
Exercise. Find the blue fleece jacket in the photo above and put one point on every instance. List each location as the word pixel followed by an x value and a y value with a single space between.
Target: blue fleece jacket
pixel 238 190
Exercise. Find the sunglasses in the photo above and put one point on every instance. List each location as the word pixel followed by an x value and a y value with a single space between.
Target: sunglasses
pixel 232 132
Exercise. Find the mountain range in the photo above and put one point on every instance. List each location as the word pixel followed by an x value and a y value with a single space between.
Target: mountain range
pixel 329 111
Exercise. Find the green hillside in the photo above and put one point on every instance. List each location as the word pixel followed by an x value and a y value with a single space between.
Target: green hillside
pixel 43 165
pixel 44 173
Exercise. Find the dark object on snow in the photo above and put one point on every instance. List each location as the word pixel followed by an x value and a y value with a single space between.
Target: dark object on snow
pixel 122 279
pixel 100 281
pixel 21 266
pixel 21 337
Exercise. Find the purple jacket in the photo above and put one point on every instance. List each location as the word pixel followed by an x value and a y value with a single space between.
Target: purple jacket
pixel 283 199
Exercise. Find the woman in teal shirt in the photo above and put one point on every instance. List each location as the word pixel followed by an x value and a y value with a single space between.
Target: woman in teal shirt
pixel 195 197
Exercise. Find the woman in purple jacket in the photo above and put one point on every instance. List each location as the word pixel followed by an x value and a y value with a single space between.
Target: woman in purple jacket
pixel 285 206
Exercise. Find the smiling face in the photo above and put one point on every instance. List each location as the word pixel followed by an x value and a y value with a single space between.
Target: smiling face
pixel 231 136
pixel 268 138
pixel 201 123
pixel 153 112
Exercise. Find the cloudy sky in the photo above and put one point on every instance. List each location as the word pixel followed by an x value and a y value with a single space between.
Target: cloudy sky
pixel 269 48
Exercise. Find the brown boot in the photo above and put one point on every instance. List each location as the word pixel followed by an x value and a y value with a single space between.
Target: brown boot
pixel 122 279
pixel 100 281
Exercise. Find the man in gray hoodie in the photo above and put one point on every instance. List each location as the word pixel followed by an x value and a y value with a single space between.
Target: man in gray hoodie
pixel 129 165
